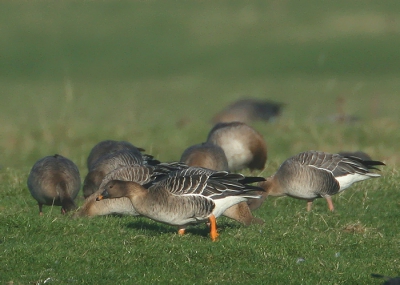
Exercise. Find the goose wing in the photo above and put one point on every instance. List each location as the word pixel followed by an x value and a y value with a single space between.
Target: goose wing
pixel 213 184
pixel 136 173
pixel 336 164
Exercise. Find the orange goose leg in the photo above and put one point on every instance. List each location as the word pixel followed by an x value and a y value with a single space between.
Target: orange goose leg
pixel 213 233
pixel 181 231
pixel 309 204
pixel 330 203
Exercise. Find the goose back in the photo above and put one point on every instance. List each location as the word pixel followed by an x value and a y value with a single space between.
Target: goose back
pixel 206 155
pixel 249 110
pixel 107 147
pixel 244 147
pixel 108 163
pixel 54 180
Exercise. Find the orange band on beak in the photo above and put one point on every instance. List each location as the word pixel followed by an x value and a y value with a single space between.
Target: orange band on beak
pixel 101 197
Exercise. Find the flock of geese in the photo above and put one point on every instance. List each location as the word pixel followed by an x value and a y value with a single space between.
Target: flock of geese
pixel 202 186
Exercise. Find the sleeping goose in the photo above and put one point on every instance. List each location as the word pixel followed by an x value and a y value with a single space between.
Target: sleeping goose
pixel 185 197
pixel 54 180
pixel 244 147
pixel 315 174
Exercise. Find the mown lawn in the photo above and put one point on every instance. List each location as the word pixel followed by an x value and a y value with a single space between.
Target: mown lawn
pixel 154 73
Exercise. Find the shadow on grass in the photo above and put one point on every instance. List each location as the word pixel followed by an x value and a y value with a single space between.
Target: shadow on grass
pixel 201 229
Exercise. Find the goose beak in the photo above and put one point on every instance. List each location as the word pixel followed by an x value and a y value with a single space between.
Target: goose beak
pixel 100 197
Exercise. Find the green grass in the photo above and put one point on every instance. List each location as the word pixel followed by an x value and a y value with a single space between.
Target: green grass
pixel 154 73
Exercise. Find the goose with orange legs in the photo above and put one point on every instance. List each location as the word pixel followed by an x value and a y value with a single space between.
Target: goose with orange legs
pixel 316 174
pixel 187 197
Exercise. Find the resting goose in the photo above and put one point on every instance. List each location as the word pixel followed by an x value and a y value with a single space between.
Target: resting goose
pixel 315 174
pixel 54 180
pixel 244 147
pixel 186 197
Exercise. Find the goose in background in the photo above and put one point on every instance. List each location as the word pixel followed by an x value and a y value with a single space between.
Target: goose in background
pixel 249 110
pixel 206 155
pixel 107 147
pixel 244 147
pixel 54 180
pixel 316 174
pixel 108 162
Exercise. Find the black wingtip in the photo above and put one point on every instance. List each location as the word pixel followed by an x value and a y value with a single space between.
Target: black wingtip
pixel 251 179
pixel 368 163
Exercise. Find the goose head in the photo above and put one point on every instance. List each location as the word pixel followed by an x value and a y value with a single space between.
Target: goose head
pixel 118 189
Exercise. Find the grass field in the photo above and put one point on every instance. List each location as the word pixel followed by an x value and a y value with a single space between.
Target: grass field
pixel 154 73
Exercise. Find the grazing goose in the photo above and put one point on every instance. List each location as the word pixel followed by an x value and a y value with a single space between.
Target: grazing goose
pixel 206 155
pixel 144 175
pixel 120 206
pixel 211 156
pixel 107 147
pixel 315 174
pixel 54 180
pixel 111 161
pixel 185 198
pixel 244 147
pixel 249 110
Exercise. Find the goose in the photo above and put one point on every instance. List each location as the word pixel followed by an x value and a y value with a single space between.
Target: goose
pixel 315 174
pixel 244 147
pixel 211 156
pixel 111 161
pixel 185 198
pixel 248 110
pixel 54 180
pixel 206 155
pixel 144 175
pixel 107 147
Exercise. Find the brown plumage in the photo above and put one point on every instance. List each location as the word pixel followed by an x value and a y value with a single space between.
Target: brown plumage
pixel 92 208
pixel 315 174
pixel 249 110
pixel 206 155
pixel 244 147
pixel 54 180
